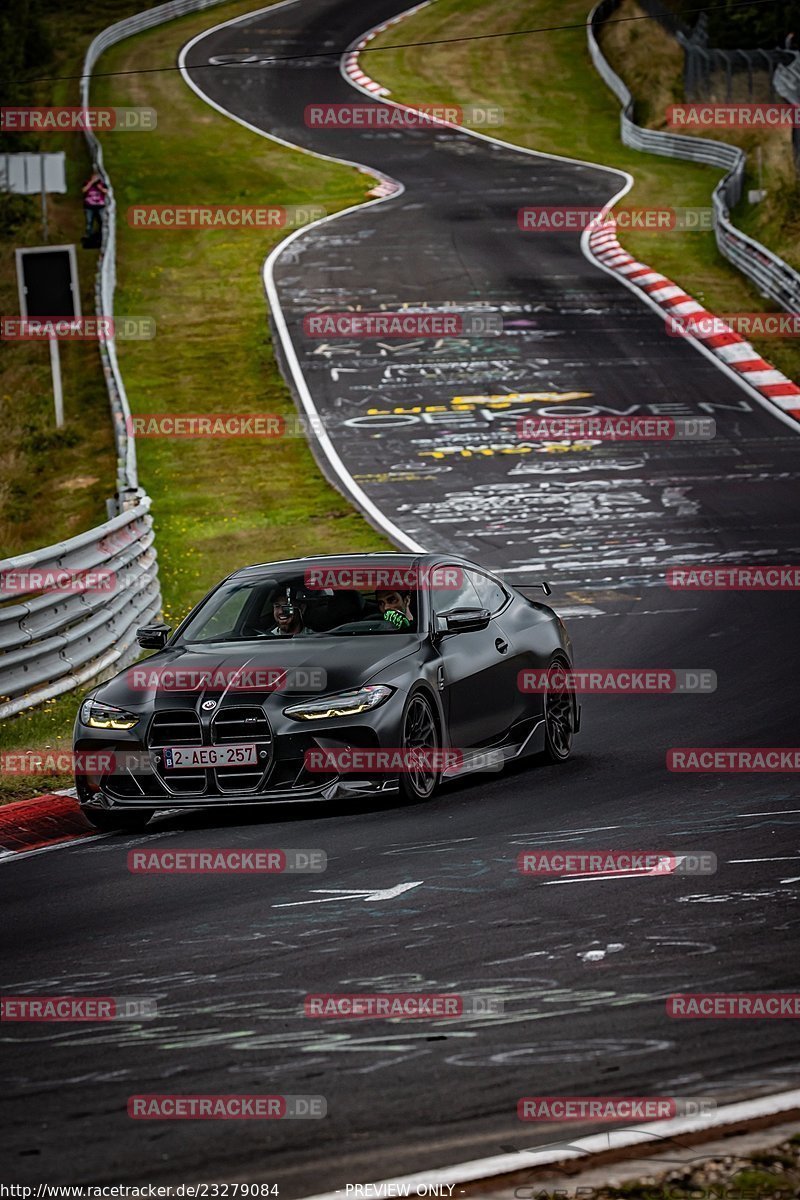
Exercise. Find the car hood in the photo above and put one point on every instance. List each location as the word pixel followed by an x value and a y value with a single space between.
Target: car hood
pixel 347 662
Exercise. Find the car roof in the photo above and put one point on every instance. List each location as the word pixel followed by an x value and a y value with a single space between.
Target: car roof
pixel 300 564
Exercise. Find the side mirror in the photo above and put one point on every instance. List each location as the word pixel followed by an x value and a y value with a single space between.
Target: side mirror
pixel 464 620
pixel 153 637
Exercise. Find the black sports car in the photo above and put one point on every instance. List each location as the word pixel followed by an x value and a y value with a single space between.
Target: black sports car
pixel 323 678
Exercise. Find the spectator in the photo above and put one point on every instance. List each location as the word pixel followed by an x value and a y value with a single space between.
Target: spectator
pixel 95 192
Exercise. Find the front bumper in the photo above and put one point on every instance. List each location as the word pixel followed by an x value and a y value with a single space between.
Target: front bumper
pixel 139 779
pixel 338 789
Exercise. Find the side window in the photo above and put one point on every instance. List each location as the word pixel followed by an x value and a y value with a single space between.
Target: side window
pixel 460 592
pixel 492 595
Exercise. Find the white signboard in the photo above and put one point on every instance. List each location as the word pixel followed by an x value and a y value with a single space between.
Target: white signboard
pixel 22 173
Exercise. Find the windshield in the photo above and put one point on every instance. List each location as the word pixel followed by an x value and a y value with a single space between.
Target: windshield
pixel 275 606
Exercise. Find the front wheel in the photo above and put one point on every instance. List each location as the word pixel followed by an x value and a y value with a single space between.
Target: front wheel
pixel 420 778
pixel 559 714
pixel 113 822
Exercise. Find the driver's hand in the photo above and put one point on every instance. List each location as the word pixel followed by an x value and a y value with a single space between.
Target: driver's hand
pixel 398 619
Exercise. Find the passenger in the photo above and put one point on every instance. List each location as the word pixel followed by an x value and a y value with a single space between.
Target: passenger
pixel 395 607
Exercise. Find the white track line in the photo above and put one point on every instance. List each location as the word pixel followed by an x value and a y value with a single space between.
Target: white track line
pixel 775 812
pixel 349 485
pixel 9 856
pixel 505 1164
pixel 785 858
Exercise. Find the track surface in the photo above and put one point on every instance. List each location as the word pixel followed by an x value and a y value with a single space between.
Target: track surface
pixel 228 968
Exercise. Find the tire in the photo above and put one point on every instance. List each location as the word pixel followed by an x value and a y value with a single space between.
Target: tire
pixel 112 822
pixel 559 718
pixel 420 731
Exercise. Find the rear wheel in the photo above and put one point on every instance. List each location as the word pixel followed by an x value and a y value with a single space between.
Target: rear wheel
pixel 420 732
pixel 111 822
pixel 559 714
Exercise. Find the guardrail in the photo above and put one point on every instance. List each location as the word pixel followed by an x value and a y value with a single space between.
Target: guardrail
pixel 54 640
pixel 58 639
pixel 106 279
pixel 786 79
pixel 773 277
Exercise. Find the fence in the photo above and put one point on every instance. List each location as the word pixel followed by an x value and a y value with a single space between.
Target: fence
pixel 773 277
pixel 786 81
pixel 54 641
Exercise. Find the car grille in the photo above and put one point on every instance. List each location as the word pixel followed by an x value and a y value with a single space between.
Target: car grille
pixel 179 728
pixel 242 724
pixel 235 723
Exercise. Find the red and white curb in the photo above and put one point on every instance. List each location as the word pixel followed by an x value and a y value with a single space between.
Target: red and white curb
pixel 352 71
pixel 31 826
pixel 726 345
pixel 355 73
pixel 350 65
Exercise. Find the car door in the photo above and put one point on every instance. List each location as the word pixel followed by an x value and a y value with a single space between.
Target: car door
pixel 498 601
pixel 475 677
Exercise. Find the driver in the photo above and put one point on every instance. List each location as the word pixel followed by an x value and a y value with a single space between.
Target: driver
pixel 395 607
pixel 288 611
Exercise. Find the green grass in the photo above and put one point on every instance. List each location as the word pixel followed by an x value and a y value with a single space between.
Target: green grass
pixel 217 504
pixel 554 100
pixel 47 727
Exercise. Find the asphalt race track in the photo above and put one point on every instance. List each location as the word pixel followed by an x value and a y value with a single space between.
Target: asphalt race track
pixel 228 966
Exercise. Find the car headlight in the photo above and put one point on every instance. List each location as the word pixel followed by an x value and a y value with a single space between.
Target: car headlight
pixel 340 704
pixel 106 716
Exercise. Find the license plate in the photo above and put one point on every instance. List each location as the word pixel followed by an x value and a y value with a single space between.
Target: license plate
pixel 176 757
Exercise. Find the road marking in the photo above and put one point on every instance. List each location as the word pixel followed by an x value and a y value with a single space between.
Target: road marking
pixel 785 858
pixel 599 878
pixel 776 812
pixel 644 873
pixel 560 832
pixel 794 879
pixel 584 610
pixel 14 855
pixel 368 894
